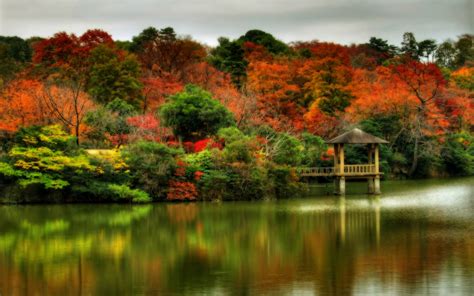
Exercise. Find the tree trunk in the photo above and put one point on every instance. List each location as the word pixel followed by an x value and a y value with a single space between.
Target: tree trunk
pixel 77 134
pixel 414 163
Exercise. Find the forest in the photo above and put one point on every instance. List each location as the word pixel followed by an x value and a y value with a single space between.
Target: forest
pixel 164 117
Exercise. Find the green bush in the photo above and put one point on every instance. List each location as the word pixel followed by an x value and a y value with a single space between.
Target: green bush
pixel 314 147
pixel 230 134
pixel 104 191
pixel 203 161
pixel 214 186
pixel 288 150
pixel 125 193
pixel 285 181
pixel 151 165
pixel 458 155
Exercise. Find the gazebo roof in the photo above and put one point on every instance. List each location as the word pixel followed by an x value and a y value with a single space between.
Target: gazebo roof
pixel 356 136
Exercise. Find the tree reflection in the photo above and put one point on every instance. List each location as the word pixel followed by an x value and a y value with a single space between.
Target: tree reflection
pixel 328 246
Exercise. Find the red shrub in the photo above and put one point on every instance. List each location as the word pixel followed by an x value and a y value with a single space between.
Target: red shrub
pixel 180 190
pixel 188 147
pixel 206 143
pixel 198 175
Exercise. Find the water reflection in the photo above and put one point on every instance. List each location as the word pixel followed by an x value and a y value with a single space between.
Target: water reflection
pixel 329 246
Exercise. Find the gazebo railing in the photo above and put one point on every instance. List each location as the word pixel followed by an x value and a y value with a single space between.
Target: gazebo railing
pixel 316 171
pixel 358 169
pixel 349 170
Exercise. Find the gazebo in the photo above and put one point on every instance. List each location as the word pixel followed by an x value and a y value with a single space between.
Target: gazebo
pixel 341 171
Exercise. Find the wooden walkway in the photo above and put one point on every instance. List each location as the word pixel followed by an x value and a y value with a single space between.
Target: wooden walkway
pixel 355 170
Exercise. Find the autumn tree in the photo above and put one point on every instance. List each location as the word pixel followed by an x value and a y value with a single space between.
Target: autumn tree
pixel 230 56
pixel 329 85
pixel 412 91
pixel 156 89
pixel 162 51
pixel 21 105
pixel 272 83
pixel 108 124
pixel 68 105
pixel 63 63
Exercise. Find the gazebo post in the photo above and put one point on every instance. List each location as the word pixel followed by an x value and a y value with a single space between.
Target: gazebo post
pixel 370 179
pixel 341 186
pixel 336 168
pixel 377 174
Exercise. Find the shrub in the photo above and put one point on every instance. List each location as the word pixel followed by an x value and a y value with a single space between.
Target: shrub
pixel 123 192
pixel 284 181
pixel 458 155
pixel 288 150
pixel 151 165
pixel 181 190
pixel 213 186
pixel 314 147
pixel 104 191
pixel 202 161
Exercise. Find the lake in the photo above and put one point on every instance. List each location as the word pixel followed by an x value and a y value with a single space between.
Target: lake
pixel 417 238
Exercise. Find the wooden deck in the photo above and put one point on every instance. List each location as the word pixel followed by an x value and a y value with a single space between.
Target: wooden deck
pixel 350 170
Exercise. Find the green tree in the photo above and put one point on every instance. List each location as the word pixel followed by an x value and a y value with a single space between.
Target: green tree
pixel 15 53
pixel 445 54
pixel 194 114
pixel 383 49
pixel 410 46
pixel 139 42
pixel 464 50
pixel 114 77
pixel 266 40
pixel 427 49
pixel 228 57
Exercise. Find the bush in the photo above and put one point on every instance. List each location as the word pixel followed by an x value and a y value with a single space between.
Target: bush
pixel 288 151
pixel 314 147
pixel 151 165
pixel 202 161
pixel 123 192
pixel 458 155
pixel 285 181
pixel 181 190
pixel 230 134
pixel 213 186
pixel 105 191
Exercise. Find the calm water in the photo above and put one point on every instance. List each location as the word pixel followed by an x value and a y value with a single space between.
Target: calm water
pixel 415 239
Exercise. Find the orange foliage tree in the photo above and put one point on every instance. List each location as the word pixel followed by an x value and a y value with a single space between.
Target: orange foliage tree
pixel 410 89
pixel 272 82
pixel 21 105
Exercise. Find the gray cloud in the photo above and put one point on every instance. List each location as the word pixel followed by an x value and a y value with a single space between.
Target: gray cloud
pixel 206 20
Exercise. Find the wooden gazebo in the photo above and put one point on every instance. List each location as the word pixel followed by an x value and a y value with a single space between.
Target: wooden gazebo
pixel 341 171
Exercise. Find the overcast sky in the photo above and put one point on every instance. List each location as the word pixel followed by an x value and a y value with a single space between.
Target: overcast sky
pixel 289 20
